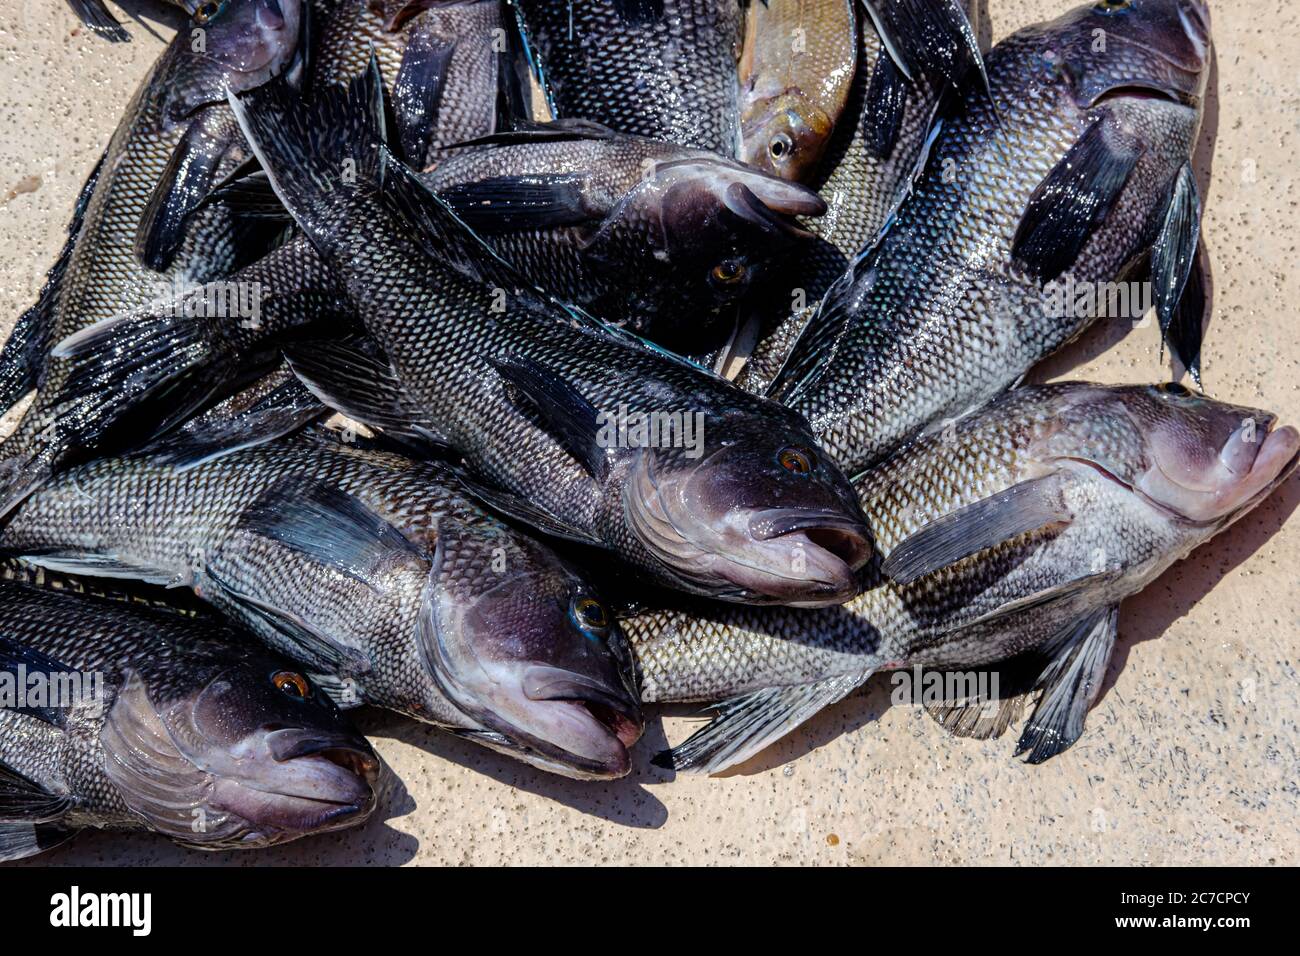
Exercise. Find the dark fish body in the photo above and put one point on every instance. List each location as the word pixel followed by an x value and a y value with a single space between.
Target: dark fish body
pixel 658 238
pixel 441 60
pixel 709 489
pixel 665 69
pixel 134 240
pixel 865 171
pixel 150 719
pixel 1016 531
pixel 1066 176
pixel 378 574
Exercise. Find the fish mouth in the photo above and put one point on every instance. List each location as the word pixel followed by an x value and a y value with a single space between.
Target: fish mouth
pixel 313 783
pixel 608 718
pixel 1149 90
pixel 752 196
pixel 1254 476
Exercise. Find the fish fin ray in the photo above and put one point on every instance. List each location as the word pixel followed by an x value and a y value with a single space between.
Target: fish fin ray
pixel 930 38
pixel 1070 684
pixel 569 417
pixel 513 506
pixel 886 103
pixel 747 724
pixel 1187 327
pixel 96 16
pixel 983 524
pixel 511 203
pixel 1073 200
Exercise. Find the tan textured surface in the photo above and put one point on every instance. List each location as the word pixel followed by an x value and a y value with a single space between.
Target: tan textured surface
pixel 1189 757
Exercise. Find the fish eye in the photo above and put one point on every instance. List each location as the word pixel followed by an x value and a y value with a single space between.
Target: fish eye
pixel 1173 388
pixel 208 11
pixel 728 271
pixel 590 614
pixel 1113 6
pixel 294 685
pixel 798 460
pixel 780 146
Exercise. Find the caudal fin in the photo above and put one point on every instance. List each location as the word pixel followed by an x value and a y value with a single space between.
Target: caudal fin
pixel 322 155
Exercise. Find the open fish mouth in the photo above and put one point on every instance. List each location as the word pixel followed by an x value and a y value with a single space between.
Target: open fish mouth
pixel 312 783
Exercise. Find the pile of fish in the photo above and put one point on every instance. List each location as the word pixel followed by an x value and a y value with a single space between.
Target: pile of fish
pixel 511 365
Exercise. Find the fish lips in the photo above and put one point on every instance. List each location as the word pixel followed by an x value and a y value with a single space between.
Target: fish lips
pixel 829 548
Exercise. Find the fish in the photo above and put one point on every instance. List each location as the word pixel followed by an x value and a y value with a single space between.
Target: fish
pixel 660 239
pixel 125 717
pixel 457 69
pixel 581 431
pixel 1076 170
pixel 132 239
pixel 868 163
pixel 797 65
pixel 1005 542
pixel 96 15
pixel 381 576
pixel 665 69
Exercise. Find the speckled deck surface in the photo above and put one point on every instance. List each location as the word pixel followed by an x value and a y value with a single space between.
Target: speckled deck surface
pixel 1190 756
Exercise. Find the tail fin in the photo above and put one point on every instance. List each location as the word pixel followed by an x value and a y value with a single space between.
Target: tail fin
pixel 318 154
pixel 95 15
pixel 931 38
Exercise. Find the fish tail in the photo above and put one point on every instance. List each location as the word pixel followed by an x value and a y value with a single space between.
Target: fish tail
pixel 320 155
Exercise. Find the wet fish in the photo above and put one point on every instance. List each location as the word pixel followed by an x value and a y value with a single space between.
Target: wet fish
pixel 133 239
pixel 1077 168
pixel 588 434
pixel 456 69
pixel 388 584
pixel 125 717
pixel 665 69
pixel 1014 534
pixel 797 65
pixel 661 239
pixel 869 161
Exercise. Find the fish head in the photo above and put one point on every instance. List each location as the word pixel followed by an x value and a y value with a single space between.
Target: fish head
pixel 785 135
pixel 1203 462
pixel 236 45
pixel 251 753
pixel 757 514
pixel 524 647
pixel 1115 48
pixel 698 232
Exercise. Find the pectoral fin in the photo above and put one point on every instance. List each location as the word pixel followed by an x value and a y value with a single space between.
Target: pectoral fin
pixel 886 102
pixel 1021 508
pixel 182 187
pixel 571 419
pixel 511 203
pixel 1073 201
pixel 1174 254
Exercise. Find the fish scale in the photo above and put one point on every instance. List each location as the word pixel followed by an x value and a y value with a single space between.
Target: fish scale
pixel 1098 454
pixel 860 187
pixel 937 317
pixel 174 656
pixel 670 74
pixel 111 506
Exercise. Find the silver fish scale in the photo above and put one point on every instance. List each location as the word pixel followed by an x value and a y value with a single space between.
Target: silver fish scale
pixel 939 319
pixel 174 655
pixel 554 257
pixel 188 527
pixel 439 328
pixel 705 653
pixel 672 79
